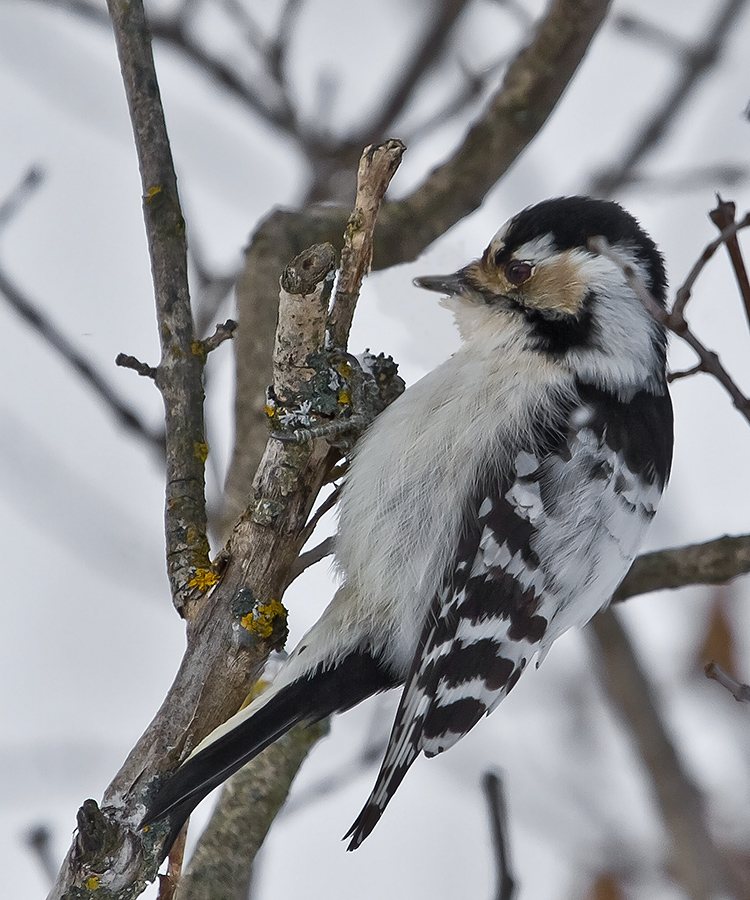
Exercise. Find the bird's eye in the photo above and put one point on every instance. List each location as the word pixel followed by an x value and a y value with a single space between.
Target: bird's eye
pixel 517 271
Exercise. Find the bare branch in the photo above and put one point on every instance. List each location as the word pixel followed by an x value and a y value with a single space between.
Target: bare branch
pixel 26 187
pixel 740 692
pixel 723 217
pixel 311 557
pixel 696 62
pixel 427 54
pixel 125 361
pixel 714 562
pixel 180 371
pixel 222 333
pixel 492 786
pixel 376 168
pixel 696 862
pixel 169 883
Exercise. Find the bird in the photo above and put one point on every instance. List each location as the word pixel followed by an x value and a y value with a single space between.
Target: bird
pixel 498 502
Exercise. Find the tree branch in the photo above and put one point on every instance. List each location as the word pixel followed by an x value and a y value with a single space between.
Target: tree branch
pixel 236 620
pixel 740 692
pixel 180 371
pixel 696 862
pixel 492 786
pixel 714 562
pixel 696 62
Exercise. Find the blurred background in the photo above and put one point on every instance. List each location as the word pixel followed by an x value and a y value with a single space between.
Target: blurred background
pixel 268 104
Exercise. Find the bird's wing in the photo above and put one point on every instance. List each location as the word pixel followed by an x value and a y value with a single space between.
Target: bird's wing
pixel 541 549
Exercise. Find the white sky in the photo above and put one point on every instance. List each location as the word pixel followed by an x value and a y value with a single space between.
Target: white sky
pixel 89 641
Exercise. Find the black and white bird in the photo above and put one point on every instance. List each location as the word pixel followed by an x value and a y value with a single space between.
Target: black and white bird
pixel 498 502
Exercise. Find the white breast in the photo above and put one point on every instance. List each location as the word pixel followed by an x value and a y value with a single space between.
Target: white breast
pixel 401 507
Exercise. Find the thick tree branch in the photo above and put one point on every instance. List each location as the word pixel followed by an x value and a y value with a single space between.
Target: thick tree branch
pixel 234 623
pixel 180 371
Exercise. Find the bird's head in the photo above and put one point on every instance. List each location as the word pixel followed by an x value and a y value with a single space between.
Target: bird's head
pixel 539 282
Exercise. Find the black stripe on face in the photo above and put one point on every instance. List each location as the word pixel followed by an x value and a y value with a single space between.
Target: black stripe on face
pixel 557 334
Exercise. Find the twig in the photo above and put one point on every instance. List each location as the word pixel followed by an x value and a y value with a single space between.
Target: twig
pixel 686 373
pixel 696 62
pixel 222 333
pixel 32 314
pixel 685 290
pixel 723 217
pixel 310 558
pixel 714 562
pixel 428 54
pixel 29 183
pixel 125 361
pixel 740 692
pixel 39 840
pixel 376 168
pixel 180 371
pixel 492 786
pixel 675 320
pixel 169 883
pixel 697 864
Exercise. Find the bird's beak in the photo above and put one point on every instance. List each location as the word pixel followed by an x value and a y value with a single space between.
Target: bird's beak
pixel 444 284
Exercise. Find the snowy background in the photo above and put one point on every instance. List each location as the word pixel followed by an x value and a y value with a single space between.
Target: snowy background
pixel 89 641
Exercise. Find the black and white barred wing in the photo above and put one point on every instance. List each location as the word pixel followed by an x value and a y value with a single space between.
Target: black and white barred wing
pixel 540 551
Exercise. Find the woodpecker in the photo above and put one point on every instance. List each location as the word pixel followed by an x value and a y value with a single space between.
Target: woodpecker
pixel 496 503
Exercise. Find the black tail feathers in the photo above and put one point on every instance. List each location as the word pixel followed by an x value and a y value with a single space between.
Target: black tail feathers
pixel 308 699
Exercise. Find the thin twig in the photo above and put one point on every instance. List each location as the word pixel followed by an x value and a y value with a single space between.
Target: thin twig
pixel 740 691
pixel 685 290
pixel 169 883
pixel 377 166
pixel 696 62
pixel 125 361
pixel 675 320
pixel 723 217
pixel 180 371
pixel 696 863
pixel 685 373
pixel 223 332
pixel 492 786
pixel 43 326
pixel 311 557
pixel 428 54
pixel 26 187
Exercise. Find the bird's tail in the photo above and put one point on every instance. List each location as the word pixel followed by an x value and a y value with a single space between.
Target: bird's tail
pixel 308 699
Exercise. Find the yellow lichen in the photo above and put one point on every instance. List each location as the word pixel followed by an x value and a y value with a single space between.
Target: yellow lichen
pixel 270 411
pixel 344 368
pixel 201 450
pixel 344 398
pixel 262 619
pixel 92 883
pixel 203 579
pixel 152 192
pixel 198 348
